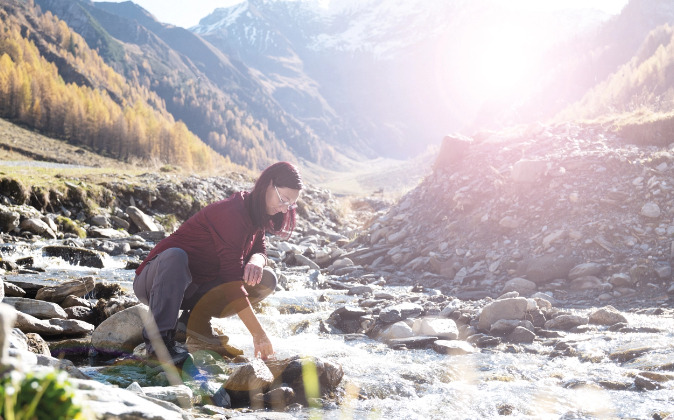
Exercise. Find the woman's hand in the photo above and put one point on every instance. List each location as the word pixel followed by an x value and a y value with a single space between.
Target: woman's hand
pixel 262 346
pixel 252 273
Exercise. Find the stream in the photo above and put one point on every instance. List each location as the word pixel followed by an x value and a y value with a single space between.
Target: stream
pixel 523 381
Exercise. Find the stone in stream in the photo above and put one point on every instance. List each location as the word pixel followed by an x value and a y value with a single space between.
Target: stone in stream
pixel 75 255
pixel 607 315
pixel 442 328
pixel 37 308
pixel 453 347
pixel 418 342
pixel 59 292
pixel 179 395
pixel 276 399
pixel 75 301
pixel 38 227
pixel 122 332
pixel 400 312
pixel 566 322
pixel 249 379
pixel 511 308
pixel 396 331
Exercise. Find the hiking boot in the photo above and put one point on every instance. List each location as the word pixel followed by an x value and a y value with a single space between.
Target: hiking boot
pixel 176 355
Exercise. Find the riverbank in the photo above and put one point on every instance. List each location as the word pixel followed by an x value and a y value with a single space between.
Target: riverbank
pixel 534 264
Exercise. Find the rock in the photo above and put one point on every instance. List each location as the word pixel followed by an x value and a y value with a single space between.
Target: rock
pixel 650 210
pixel 179 395
pixel 398 330
pixel 521 335
pixel 438 327
pixel 586 269
pixel 418 342
pixel 360 290
pixel 566 322
pixel 302 260
pixel 70 347
pixel 8 219
pixel 400 312
pixel 106 233
pixel 621 280
pixel 37 308
pixel 503 327
pixel 142 220
pixel 52 327
pixel 7 319
pixel 71 300
pixel 520 285
pixel 74 255
pixel 586 283
pixel 37 345
pixel 59 292
pixel 549 267
pixel 645 384
pixel 276 399
pixel 252 377
pixel 607 315
pixel 514 308
pixel 12 290
pixel 453 347
pixel 38 227
pixel 82 313
pixel 453 149
pixel 121 332
pixel 528 171
pixel 329 375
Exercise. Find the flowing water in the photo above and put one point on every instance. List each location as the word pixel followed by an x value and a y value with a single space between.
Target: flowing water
pixel 381 383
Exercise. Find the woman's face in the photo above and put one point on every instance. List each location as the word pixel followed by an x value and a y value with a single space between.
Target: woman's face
pixel 280 199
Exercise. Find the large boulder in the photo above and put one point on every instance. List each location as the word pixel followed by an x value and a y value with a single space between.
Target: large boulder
pixel 548 267
pixel 438 327
pixel 142 220
pixel 607 315
pixel 122 332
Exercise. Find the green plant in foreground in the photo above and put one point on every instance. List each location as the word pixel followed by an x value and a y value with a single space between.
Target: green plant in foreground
pixel 38 396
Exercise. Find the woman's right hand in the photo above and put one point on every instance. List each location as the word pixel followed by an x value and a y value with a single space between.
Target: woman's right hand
pixel 262 347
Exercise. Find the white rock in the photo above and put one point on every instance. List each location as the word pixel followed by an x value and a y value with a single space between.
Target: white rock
pixel 398 330
pixel 650 210
pixel 437 327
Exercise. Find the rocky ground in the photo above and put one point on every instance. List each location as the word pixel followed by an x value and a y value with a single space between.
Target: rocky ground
pixel 505 234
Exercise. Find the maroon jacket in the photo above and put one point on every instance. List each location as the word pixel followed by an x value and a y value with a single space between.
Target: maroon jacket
pixel 219 240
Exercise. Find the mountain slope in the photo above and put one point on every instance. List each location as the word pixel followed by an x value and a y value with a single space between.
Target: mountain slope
pixel 52 81
pixel 215 97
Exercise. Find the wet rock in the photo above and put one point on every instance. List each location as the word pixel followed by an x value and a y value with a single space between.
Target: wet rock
pixel 276 399
pixel 70 347
pixel 400 312
pixel 360 290
pixel 513 308
pixel 503 327
pixel 482 340
pixel 566 322
pixel 37 308
pixel 142 220
pixel 627 353
pixel 109 233
pixel 59 292
pixel 9 219
pixel 12 290
pixel 121 332
pixel 438 327
pixel 74 255
pixel 607 315
pixel 645 384
pixel 52 327
pixel 521 335
pixel 396 331
pixel 252 377
pixel 329 375
pixel 418 342
pixel 453 347
pixel 302 260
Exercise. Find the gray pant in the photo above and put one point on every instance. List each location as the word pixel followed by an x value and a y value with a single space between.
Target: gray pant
pixel 165 285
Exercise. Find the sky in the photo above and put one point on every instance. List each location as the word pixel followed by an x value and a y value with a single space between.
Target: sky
pixel 188 13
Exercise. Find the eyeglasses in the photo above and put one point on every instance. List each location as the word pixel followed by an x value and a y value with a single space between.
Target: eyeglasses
pixel 291 206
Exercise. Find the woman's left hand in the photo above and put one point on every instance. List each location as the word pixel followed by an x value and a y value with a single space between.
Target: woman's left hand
pixel 252 273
